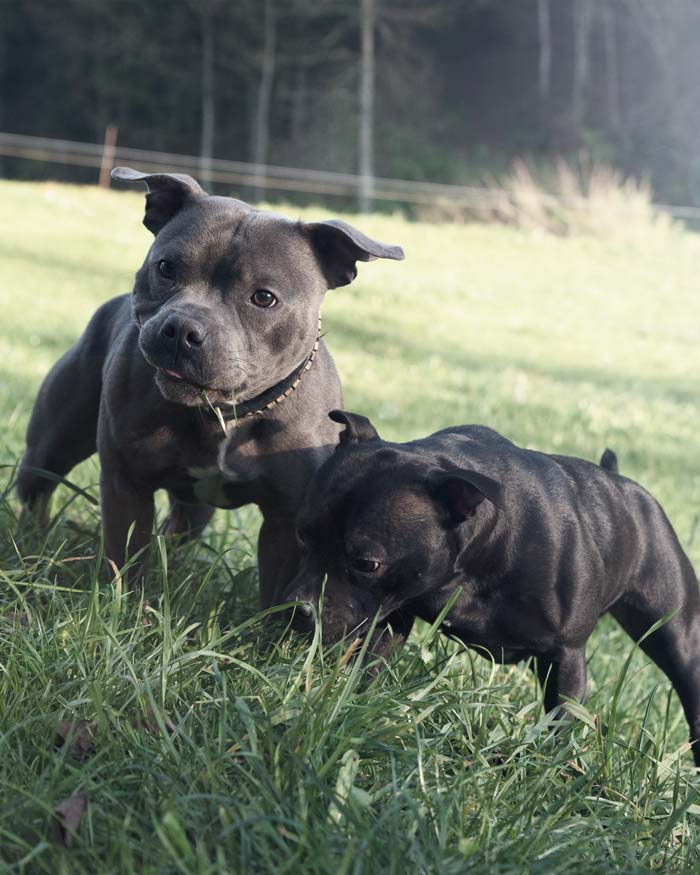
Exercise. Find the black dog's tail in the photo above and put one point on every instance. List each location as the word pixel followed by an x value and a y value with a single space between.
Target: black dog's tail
pixel 608 462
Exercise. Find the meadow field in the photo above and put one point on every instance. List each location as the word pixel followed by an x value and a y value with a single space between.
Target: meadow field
pixel 213 749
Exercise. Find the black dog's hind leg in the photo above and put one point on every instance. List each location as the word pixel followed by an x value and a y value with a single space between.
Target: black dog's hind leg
pixel 563 676
pixel 675 648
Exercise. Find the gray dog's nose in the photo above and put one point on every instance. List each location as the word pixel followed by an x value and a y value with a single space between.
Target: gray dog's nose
pixel 179 331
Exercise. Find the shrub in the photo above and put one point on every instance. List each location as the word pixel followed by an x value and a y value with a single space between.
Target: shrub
pixel 590 199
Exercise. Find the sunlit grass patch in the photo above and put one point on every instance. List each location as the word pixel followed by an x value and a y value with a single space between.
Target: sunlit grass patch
pixel 220 747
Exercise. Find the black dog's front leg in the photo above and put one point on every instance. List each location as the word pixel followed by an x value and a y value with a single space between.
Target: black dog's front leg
pixel 563 676
pixel 389 638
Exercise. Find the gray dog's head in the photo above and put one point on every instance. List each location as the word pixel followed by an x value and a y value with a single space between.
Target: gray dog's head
pixel 227 300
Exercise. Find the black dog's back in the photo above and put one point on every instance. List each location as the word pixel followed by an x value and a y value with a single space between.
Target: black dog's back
pixel 568 517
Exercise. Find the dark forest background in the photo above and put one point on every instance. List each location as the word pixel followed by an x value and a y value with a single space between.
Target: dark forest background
pixel 449 90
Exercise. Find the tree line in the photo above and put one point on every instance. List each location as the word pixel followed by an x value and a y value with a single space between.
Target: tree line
pixel 441 90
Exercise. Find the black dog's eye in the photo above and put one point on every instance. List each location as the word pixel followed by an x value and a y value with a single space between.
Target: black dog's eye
pixel 263 298
pixel 366 566
pixel 166 269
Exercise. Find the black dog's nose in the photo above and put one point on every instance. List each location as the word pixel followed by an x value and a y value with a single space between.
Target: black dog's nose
pixel 301 594
pixel 178 331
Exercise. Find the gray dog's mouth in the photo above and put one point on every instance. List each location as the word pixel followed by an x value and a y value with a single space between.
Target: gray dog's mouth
pixel 173 374
pixel 182 382
pixel 178 387
pixel 181 378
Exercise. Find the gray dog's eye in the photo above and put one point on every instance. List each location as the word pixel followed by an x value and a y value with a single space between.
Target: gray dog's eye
pixel 366 566
pixel 263 298
pixel 166 269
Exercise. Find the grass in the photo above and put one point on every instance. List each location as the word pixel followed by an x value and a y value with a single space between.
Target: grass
pixel 217 750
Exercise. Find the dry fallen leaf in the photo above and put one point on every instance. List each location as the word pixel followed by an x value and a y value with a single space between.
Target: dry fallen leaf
pixel 79 735
pixel 69 814
pixel 145 618
pixel 16 617
pixel 148 722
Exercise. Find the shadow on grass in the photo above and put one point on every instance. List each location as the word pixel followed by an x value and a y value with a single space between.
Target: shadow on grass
pixel 416 351
pixel 102 274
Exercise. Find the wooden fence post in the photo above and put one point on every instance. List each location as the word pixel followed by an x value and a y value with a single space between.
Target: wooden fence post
pixel 108 155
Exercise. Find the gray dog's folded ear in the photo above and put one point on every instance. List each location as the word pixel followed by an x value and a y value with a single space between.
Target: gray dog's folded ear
pixel 357 428
pixel 167 194
pixel 460 492
pixel 338 246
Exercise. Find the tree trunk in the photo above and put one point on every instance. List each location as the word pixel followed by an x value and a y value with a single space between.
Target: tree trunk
pixel 299 99
pixel 366 157
pixel 544 30
pixel 583 17
pixel 100 74
pixel 3 67
pixel 206 143
pixel 262 112
pixel 611 67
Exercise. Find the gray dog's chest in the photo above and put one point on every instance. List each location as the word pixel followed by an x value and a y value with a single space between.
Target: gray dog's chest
pixel 198 465
pixel 211 485
pixel 227 480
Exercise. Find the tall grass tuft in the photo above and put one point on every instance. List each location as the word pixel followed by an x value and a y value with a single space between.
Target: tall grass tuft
pixel 590 198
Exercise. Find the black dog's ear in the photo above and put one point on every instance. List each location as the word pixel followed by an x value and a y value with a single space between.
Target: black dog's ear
pixel 167 194
pixel 461 492
pixel 357 428
pixel 338 246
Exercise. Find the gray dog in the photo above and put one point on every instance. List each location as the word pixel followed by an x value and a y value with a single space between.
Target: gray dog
pixel 215 360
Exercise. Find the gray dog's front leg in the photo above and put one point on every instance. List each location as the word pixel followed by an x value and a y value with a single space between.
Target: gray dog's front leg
pixel 187 519
pixel 122 507
pixel 279 557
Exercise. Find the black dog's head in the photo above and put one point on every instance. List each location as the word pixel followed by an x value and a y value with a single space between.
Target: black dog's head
pixel 382 524
pixel 228 297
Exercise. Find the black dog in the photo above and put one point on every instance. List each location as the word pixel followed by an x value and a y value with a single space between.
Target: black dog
pixel 225 309
pixel 533 547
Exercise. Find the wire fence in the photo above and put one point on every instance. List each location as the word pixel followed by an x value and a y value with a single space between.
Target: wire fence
pixel 287 179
